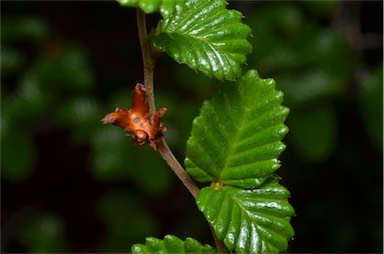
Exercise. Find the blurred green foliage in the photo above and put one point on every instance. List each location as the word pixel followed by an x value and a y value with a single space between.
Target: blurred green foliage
pixel 311 65
pixel 114 209
pixel 112 160
pixel 54 91
pixel 54 87
pixel 371 105
pixel 43 233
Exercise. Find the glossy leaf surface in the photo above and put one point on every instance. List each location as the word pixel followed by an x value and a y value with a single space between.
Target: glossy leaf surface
pixel 166 7
pixel 207 37
pixel 249 221
pixel 237 137
pixel 172 244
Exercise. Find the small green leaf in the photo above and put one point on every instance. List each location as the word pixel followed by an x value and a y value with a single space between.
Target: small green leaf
pixel 207 37
pixel 237 137
pixel 172 244
pixel 249 221
pixel 166 7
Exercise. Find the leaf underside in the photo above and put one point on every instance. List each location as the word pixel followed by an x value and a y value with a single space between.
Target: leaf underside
pixel 172 244
pixel 249 221
pixel 166 7
pixel 237 137
pixel 205 36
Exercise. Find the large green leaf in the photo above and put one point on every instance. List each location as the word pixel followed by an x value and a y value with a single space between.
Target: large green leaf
pixel 249 221
pixel 205 36
pixel 166 7
pixel 237 137
pixel 172 244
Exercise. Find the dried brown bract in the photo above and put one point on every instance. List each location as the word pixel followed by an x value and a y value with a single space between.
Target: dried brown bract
pixel 138 120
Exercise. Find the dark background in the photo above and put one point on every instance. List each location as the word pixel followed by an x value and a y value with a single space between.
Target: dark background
pixel 69 184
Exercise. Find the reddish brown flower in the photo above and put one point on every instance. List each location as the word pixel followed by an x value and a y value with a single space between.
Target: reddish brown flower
pixel 138 120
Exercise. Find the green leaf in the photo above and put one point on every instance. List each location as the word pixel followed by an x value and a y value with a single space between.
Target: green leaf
pixel 237 137
pixel 207 37
pixel 166 7
pixel 249 221
pixel 172 244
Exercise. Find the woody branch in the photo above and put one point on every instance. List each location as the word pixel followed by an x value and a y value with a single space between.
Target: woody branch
pixel 149 65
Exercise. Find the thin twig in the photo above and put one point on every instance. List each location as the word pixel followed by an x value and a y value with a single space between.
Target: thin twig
pixel 149 65
pixel 162 147
pixel 168 156
pixel 148 62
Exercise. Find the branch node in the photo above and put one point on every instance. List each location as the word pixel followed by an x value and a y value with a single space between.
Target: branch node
pixel 149 66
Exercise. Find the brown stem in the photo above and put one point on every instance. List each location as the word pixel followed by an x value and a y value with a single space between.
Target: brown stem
pixel 168 156
pixel 162 147
pixel 220 245
pixel 149 65
pixel 148 62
